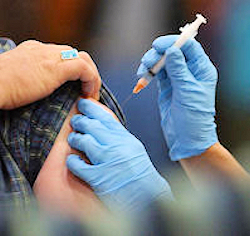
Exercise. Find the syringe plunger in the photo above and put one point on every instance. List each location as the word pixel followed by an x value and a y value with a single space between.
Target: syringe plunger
pixel 188 32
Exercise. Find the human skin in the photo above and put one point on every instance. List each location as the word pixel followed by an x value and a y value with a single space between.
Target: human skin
pixel 34 70
pixel 216 166
pixel 57 189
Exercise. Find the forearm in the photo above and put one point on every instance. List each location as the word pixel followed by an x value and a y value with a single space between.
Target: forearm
pixel 215 166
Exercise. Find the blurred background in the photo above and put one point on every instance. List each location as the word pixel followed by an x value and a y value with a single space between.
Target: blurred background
pixel 117 33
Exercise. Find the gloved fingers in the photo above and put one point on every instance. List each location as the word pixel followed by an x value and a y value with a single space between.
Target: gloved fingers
pixel 142 70
pixel 148 61
pixel 177 68
pixel 193 51
pixel 84 125
pixel 87 144
pixel 79 167
pixel 203 69
pixel 161 44
pixel 93 111
pixel 150 58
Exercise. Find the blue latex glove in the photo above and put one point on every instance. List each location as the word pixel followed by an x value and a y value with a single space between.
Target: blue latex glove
pixel 122 174
pixel 187 87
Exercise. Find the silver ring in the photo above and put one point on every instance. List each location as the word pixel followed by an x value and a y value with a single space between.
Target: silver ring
pixel 69 54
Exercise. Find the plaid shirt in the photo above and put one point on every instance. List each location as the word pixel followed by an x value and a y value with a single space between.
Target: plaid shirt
pixel 27 135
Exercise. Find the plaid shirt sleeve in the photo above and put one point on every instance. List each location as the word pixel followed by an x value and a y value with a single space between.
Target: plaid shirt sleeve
pixel 27 135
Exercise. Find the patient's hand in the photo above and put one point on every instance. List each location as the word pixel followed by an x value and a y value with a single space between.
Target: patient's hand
pixel 39 67
pixel 56 188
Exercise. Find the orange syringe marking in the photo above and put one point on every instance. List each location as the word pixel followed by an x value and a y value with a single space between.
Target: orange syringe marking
pixel 142 83
pixel 188 32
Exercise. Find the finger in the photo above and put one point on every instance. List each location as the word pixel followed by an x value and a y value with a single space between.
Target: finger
pixel 87 144
pixel 142 70
pixel 176 67
pixel 91 88
pixel 93 127
pixel 79 167
pixel 184 84
pixel 86 57
pixel 97 85
pixel 150 58
pixel 193 50
pixel 94 111
pixel 76 68
pixel 162 43
pixel 80 69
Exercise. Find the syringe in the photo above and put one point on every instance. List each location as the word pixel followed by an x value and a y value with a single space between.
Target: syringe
pixel 188 32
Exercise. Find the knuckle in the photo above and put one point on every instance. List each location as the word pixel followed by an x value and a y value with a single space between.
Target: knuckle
pixel 76 124
pixel 79 123
pixel 65 47
pixel 85 55
pixel 30 44
pixel 81 63
pixel 158 40
pixel 164 42
pixel 31 41
pixel 214 70
pixel 150 56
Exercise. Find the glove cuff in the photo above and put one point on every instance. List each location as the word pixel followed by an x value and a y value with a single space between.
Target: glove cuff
pixel 179 152
pixel 146 189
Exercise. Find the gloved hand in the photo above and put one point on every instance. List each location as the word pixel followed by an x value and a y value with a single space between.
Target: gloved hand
pixel 122 174
pixel 187 88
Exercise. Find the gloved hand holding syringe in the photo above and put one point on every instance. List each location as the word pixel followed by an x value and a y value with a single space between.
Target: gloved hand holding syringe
pixel 188 32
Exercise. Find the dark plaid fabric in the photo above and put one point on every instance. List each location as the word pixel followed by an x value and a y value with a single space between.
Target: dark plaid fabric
pixel 27 135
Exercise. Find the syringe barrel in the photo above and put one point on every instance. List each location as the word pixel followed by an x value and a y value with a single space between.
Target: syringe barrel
pixel 159 65
pixel 189 32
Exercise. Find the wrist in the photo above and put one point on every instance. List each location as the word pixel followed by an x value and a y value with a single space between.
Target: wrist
pixel 189 133
pixel 193 147
pixel 137 194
